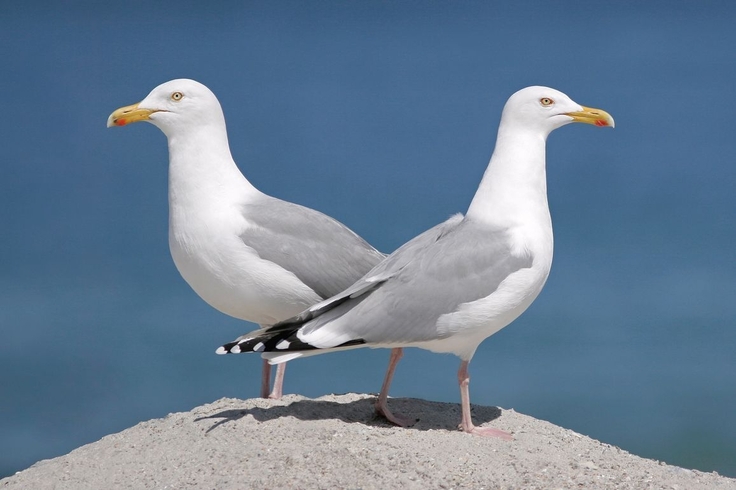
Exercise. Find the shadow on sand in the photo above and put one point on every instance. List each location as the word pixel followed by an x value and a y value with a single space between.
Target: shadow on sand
pixel 429 415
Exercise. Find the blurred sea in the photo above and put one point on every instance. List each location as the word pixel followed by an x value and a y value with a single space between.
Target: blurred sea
pixel 382 115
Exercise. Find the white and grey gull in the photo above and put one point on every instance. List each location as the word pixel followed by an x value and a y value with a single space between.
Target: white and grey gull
pixel 460 282
pixel 247 254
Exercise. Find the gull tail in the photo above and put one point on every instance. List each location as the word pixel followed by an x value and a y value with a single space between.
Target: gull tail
pixel 279 344
pixel 284 340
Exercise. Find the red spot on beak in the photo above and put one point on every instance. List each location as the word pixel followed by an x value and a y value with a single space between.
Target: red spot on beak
pixel 121 122
pixel 601 122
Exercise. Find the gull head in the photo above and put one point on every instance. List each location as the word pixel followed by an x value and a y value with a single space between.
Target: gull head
pixel 545 109
pixel 172 105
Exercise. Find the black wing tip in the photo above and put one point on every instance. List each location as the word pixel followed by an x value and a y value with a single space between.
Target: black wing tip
pixel 275 344
pixel 226 349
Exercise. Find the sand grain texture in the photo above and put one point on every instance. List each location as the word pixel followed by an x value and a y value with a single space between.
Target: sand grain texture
pixel 336 442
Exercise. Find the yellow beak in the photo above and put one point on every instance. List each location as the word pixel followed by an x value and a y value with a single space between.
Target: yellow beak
pixel 129 114
pixel 597 117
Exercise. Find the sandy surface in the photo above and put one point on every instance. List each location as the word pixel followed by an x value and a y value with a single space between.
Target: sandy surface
pixel 336 442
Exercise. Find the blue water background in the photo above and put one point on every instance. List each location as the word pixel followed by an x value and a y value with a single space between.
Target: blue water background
pixel 383 115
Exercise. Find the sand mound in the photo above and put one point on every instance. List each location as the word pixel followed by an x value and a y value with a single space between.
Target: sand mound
pixel 336 442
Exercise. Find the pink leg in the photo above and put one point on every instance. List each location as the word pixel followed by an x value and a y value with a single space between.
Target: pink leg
pixel 381 403
pixel 278 382
pixel 467 423
pixel 265 379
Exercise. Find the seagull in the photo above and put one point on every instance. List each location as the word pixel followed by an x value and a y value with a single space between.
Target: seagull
pixel 460 282
pixel 247 254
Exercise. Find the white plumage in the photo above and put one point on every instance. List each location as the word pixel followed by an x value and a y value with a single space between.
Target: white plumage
pixel 462 281
pixel 245 253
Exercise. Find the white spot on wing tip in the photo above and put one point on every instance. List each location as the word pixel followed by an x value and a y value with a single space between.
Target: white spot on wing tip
pixel 235 349
pixel 258 347
pixel 284 344
pixel 221 350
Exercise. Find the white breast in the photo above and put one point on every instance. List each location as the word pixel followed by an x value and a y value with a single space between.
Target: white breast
pixel 212 258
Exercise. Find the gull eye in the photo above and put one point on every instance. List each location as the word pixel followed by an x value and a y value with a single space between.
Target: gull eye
pixel 177 96
pixel 546 101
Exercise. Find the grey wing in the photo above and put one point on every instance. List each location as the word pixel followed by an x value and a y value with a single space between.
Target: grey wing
pixel 322 252
pixel 464 263
pixel 390 266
